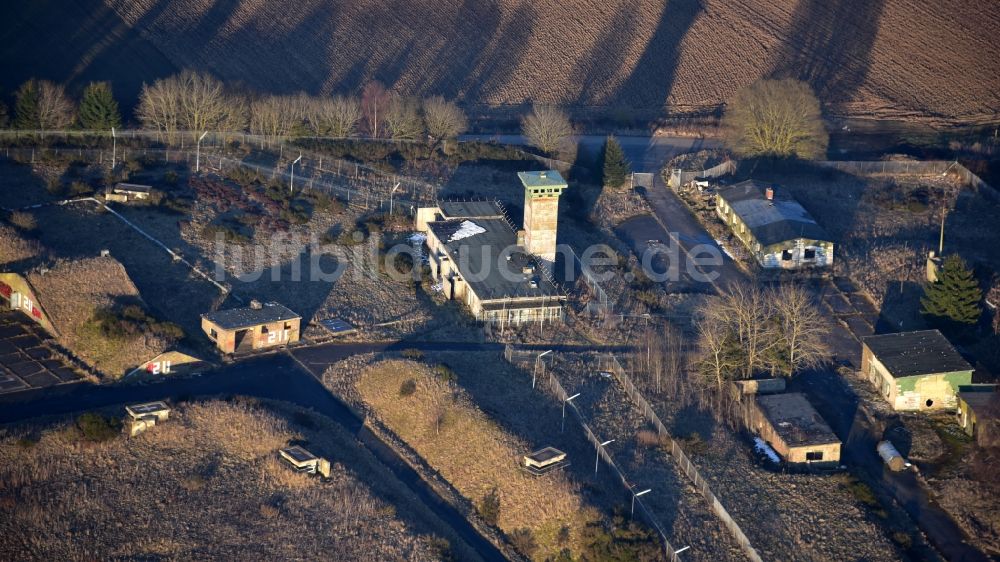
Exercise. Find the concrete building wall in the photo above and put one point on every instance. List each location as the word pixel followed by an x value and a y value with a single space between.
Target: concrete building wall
pixel 822 453
pixel 18 294
pixel 262 336
pixel 924 392
pixel 541 220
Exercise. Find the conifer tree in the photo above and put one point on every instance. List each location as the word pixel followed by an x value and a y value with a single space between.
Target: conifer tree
pixel 26 106
pixel 955 297
pixel 98 108
pixel 616 168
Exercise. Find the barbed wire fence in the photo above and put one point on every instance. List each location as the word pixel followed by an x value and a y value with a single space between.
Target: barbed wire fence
pixel 610 363
pixel 514 357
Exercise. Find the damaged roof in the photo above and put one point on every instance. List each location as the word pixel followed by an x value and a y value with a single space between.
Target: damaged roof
pixel 490 261
pixel 771 222
pixel 795 420
pixel 248 316
pixel 908 354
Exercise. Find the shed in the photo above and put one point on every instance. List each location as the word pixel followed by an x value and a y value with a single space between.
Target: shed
pixel 132 190
pixel 304 461
pixel 794 429
pixel 977 404
pixel 915 370
pixel 158 410
pixel 257 326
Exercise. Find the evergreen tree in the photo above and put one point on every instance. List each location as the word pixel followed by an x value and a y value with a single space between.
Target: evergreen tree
pixel 98 108
pixel 954 299
pixel 3 115
pixel 616 168
pixel 26 106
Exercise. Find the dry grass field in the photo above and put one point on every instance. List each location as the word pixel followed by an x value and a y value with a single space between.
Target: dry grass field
pixel 72 291
pixel 441 423
pixel 207 484
pixel 888 58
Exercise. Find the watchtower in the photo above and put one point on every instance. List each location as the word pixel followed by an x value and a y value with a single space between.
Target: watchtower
pixel 541 212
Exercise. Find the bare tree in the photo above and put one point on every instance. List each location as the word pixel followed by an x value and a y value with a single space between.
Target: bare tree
pixel 374 99
pixel 189 101
pixel 547 128
pixel 402 118
pixel 277 116
pixel 444 119
pixel 717 362
pixel 802 331
pixel 159 106
pixel 776 118
pixel 749 310
pixel 334 117
pixel 55 110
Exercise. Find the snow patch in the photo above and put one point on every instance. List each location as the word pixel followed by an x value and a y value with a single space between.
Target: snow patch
pixel 723 246
pixel 417 238
pixel 762 447
pixel 465 230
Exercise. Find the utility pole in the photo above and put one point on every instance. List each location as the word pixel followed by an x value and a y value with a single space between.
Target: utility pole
pixel 570 399
pixel 114 148
pixel 597 460
pixel 291 179
pixel 197 152
pixel 634 495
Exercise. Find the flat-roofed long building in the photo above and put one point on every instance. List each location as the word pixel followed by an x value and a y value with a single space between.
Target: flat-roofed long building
pixel 793 428
pixel 239 330
pixel 479 258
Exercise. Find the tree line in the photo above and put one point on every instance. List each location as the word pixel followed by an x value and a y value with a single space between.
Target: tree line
pixel 196 101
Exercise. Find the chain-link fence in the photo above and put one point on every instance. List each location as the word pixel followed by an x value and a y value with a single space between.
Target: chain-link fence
pixel 514 356
pixel 612 365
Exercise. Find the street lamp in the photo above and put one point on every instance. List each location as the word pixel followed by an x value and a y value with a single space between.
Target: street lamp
pixel 646 491
pixel 291 179
pixel 390 196
pixel 570 399
pixel 197 152
pixel 680 550
pixel 114 148
pixel 535 371
pixel 598 459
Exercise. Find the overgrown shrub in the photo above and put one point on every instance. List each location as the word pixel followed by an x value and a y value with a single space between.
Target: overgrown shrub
pixel 620 540
pixel 23 221
pixel 131 320
pixel 413 353
pixel 524 541
pixel 408 387
pixel 489 507
pixel 96 428
pixel 445 373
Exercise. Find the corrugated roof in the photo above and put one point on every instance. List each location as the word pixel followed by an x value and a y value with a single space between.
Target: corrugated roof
pixel 245 317
pixel 795 420
pixel 481 260
pixel 909 354
pixel 771 222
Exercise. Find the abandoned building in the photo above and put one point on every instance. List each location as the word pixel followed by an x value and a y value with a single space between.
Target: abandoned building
pixel 915 370
pixel 793 428
pixel 125 192
pixel 303 461
pixel 775 229
pixel 142 417
pixel 502 274
pixel 258 326
pixel 978 404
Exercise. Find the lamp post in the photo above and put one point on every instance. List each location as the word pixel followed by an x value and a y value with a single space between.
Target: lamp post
pixel 291 179
pixel 114 148
pixel 597 460
pixel 197 152
pixel 390 196
pixel 570 399
pixel 635 495
pixel 534 372
pixel 680 550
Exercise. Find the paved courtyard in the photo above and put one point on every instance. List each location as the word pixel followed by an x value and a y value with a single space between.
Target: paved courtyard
pixel 26 360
